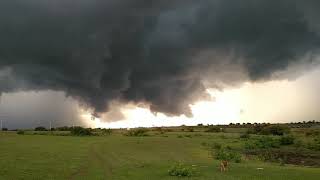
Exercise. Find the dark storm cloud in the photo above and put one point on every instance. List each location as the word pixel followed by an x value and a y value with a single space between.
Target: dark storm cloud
pixel 163 53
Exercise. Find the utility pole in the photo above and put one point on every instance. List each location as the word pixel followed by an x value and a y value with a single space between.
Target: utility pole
pixel 50 125
pixel 1 125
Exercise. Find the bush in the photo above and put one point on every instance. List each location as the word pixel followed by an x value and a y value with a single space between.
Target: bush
pixel 213 129
pixel 106 132
pixel 179 136
pixel 20 132
pixel 40 128
pixel 267 155
pixel 160 130
pixel 264 129
pixel 315 145
pixel 275 130
pixel 216 146
pixel 262 143
pixel 190 129
pixel 245 136
pixel 180 170
pixel 313 133
pixel 255 130
pixel 80 131
pixel 137 132
pixel 224 154
pixel 64 128
pixel 287 140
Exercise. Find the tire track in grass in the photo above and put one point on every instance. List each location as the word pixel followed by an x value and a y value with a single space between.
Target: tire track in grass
pixel 107 167
pixel 83 170
pixel 96 160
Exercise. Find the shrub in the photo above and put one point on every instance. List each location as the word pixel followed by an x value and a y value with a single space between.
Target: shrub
pixel 236 157
pixel 40 128
pixel 267 155
pixel 64 128
pixel 80 131
pixel 160 130
pixel 312 133
pixel 188 136
pixel 255 130
pixel 183 127
pixel 180 170
pixel 224 154
pixel 213 129
pixel 223 136
pixel 137 132
pixel 179 136
pixel 190 129
pixel 287 140
pixel 106 132
pixel 245 136
pixel 216 146
pixel 265 129
pixel 315 145
pixel 20 132
pixel 275 130
pixel 262 143
pixel 204 144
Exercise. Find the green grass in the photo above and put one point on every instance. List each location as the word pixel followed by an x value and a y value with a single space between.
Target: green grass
pixel 136 158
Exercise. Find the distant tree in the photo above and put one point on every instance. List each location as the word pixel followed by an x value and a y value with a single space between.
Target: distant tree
pixel 40 128
pixel 183 127
pixel 80 131
pixel 190 129
pixel 64 128
pixel 106 131
pixel 4 129
pixel 137 132
pixel 20 132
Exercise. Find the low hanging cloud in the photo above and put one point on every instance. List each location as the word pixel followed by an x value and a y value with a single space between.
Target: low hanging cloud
pixel 164 54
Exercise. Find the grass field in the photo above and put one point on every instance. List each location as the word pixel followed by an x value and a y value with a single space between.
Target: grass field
pixel 136 158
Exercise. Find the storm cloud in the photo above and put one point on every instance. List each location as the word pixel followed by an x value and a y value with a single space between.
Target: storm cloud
pixel 162 53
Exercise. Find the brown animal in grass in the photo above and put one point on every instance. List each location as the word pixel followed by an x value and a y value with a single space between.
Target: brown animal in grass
pixel 224 166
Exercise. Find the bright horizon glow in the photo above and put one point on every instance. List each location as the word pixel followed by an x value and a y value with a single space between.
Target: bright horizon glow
pixel 273 101
pixel 223 109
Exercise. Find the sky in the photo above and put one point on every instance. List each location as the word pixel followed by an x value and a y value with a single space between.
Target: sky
pixel 131 63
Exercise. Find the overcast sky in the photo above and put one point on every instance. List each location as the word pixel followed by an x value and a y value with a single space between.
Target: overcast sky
pixel 169 62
